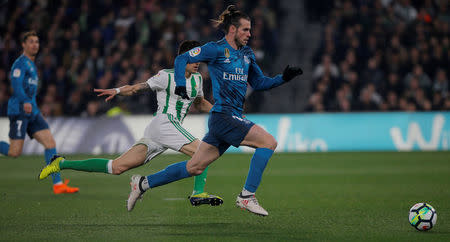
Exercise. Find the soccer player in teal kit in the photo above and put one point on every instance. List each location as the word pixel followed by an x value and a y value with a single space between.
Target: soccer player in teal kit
pixel 231 65
pixel 23 112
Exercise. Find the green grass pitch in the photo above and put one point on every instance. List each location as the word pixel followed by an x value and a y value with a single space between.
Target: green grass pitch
pixel 309 196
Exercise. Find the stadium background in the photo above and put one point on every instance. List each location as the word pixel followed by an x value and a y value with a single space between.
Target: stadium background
pixel 382 55
pixel 358 56
pixel 376 78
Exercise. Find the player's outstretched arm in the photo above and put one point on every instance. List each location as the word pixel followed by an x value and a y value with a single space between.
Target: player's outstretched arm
pixel 202 104
pixel 260 82
pixel 127 90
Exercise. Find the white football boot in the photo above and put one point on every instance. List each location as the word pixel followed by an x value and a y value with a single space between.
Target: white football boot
pixel 136 192
pixel 251 204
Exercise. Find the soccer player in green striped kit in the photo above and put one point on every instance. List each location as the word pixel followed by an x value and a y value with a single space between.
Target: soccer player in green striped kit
pixel 164 132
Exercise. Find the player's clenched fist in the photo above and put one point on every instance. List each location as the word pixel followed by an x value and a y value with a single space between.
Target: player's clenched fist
pixel 181 91
pixel 290 72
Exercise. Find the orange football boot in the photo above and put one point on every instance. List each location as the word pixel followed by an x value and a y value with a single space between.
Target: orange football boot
pixel 63 188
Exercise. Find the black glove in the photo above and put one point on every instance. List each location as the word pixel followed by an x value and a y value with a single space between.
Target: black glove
pixel 181 91
pixel 290 72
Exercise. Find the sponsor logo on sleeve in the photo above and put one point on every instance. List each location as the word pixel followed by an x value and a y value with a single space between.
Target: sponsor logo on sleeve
pixel 16 72
pixel 195 52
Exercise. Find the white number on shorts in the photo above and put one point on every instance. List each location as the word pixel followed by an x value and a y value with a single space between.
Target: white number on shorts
pixel 19 126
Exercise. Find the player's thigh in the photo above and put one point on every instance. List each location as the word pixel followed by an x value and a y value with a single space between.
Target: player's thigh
pixel 45 137
pixel 134 157
pixel 15 147
pixel 191 148
pixel 39 129
pixel 257 137
pixel 203 157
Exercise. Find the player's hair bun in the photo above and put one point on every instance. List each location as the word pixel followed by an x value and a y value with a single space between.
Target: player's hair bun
pixel 231 9
pixel 230 16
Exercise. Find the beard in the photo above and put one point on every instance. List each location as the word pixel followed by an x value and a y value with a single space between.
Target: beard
pixel 239 44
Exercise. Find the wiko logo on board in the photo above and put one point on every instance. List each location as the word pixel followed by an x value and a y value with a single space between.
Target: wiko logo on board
pixel 293 141
pixel 414 136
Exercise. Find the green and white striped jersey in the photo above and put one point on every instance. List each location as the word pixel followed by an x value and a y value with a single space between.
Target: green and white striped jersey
pixel 168 102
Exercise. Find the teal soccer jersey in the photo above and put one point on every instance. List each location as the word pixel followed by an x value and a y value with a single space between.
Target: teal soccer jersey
pixel 230 71
pixel 24 82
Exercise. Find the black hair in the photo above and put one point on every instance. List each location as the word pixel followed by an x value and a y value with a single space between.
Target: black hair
pixel 231 16
pixel 187 45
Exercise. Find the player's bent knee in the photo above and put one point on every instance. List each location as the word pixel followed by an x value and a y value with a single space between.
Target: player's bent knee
pixel 50 144
pixel 195 170
pixel 14 154
pixel 271 143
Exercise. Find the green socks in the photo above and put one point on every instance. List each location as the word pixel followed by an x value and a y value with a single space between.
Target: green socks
pixel 199 182
pixel 101 165
pixel 90 165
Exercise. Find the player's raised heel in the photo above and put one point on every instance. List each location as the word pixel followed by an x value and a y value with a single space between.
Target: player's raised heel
pixel 51 168
pixel 136 192
pixel 205 198
pixel 250 203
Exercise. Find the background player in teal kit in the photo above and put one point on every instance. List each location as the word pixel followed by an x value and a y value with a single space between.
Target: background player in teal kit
pixel 232 66
pixel 23 112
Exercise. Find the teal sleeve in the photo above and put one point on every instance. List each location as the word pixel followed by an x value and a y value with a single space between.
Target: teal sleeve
pixel 205 53
pixel 259 81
